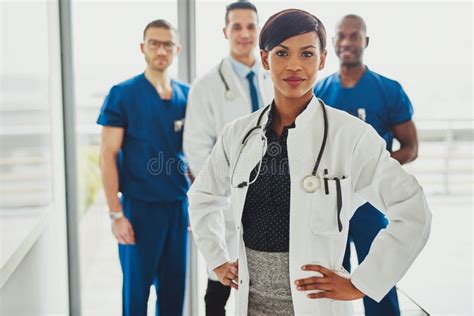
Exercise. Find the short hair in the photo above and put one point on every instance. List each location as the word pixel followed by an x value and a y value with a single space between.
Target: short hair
pixel 288 23
pixel 161 23
pixel 355 17
pixel 239 5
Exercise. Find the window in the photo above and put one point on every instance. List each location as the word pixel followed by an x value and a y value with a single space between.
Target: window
pixel 106 39
pixel 31 150
pixel 25 143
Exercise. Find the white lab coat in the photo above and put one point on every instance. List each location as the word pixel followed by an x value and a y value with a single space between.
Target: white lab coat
pixel 353 150
pixel 208 111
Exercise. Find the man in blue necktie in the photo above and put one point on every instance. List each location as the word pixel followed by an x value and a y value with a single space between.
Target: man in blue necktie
pixel 237 86
pixel 382 103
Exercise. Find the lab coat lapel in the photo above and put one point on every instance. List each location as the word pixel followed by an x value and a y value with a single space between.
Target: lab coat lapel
pixel 304 142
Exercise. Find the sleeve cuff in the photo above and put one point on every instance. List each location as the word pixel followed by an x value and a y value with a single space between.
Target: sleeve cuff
pixel 401 120
pixel 110 123
pixel 218 262
pixel 364 288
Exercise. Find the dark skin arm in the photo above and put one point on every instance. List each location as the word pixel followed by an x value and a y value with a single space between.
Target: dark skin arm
pixel 405 133
pixel 330 284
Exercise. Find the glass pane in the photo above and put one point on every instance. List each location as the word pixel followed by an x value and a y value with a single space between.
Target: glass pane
pixel 32 202
pixel 106 43
pixel 25 118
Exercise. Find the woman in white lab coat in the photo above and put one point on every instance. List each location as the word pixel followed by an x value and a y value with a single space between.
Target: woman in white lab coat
pixel 296 171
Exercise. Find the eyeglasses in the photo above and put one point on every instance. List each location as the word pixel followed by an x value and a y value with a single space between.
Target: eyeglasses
pixel 155 45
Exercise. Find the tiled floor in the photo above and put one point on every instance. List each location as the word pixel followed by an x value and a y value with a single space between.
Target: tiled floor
pixel 440 280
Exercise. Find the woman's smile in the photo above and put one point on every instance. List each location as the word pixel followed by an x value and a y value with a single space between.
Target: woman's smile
pixel 294 81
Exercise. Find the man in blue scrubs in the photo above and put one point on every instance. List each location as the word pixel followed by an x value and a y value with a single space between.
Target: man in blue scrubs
pixel 142 157
pixel 382 103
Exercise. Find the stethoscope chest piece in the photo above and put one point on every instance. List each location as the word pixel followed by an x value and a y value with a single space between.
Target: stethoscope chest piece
pixel 310 183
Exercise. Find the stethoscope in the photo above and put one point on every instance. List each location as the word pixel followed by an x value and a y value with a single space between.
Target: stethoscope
pixel 229 95
pixel 310 183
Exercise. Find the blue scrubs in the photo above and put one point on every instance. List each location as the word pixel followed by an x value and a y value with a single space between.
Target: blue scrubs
pixel 153 184
pixel 382 103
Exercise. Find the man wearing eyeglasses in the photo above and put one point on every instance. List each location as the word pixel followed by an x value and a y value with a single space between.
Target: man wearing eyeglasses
pixel 382 103
pixel 142 158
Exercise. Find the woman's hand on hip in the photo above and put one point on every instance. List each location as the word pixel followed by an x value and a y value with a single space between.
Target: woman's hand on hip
pixel 330 284
pixel 228 274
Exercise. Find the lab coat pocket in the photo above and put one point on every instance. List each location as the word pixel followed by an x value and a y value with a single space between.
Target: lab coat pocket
pixel 330 206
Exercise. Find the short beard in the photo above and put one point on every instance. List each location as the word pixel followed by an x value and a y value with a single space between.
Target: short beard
pixel 353 64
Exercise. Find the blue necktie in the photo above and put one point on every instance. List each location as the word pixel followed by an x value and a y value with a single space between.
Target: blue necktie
pixel 253 91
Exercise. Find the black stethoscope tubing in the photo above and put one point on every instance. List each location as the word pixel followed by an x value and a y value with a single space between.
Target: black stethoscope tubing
pixel 325 137
pixel 228 92
pixel 325 134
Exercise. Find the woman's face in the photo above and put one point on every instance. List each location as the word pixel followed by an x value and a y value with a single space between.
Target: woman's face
pixel 294 65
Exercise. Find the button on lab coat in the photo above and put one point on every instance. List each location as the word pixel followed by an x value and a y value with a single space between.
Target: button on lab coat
pixel 356 155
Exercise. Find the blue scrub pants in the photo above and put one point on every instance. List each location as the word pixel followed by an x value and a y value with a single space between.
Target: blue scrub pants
pixel 158 257
pixel 363 227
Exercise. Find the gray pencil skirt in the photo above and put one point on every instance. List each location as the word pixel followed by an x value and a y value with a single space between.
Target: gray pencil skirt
pixel 269 290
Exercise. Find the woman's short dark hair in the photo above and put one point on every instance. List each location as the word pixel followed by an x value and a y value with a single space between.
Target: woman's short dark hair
pixel 289 23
